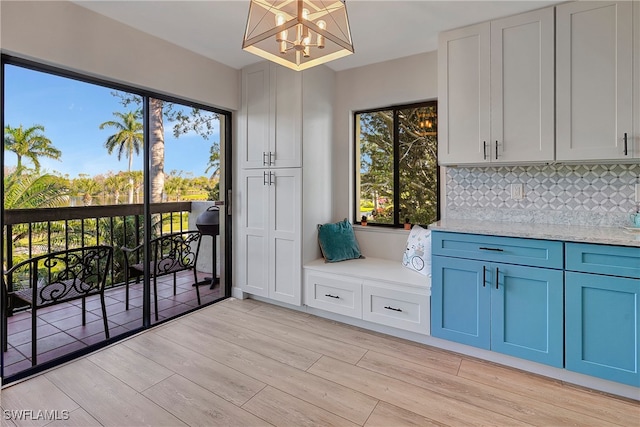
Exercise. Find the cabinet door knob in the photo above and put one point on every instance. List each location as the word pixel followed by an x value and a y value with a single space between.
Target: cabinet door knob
pixel 393 309
pixel 626 148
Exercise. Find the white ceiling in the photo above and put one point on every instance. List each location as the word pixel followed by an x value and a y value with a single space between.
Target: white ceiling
pixel 381 30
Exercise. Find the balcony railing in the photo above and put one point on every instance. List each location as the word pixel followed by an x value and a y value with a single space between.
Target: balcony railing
pixel 31 232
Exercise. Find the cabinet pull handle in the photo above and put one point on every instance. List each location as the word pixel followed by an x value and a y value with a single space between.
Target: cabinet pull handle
pixel 497 277
pixel 393 309
pixel 484 276
pixel 332 296
pixel 626 150
pixel 484 149
pixel 264 158
pixel 271 161
pixel 272 178
pixel 264 178
pixel 496 150
pixel 491 249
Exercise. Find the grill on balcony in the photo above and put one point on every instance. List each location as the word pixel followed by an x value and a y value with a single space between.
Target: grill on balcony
pixel 208 223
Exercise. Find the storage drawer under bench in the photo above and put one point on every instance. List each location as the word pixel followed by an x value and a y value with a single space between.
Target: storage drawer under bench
pixel 371 289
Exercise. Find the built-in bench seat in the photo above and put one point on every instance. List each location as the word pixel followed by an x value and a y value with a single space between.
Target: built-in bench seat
pixel 377 290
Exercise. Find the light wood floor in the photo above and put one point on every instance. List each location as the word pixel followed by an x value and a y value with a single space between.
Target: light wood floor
pixel 246 363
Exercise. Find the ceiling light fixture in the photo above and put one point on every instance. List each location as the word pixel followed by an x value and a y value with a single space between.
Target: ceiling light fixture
pixel 298 34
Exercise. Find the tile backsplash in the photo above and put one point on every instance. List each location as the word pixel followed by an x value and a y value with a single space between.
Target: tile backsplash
pixel 553 194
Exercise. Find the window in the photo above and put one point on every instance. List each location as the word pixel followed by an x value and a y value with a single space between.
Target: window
pixel 397 179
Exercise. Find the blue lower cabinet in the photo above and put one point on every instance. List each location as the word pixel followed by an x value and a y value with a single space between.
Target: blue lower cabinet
pixel 527 308
pixel 510 309
pixel 603 326
pixel 460 301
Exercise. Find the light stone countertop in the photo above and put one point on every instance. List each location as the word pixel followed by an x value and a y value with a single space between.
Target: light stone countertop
pixel 568 233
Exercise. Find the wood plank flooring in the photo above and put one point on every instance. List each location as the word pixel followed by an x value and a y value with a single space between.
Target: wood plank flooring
pixel 247 363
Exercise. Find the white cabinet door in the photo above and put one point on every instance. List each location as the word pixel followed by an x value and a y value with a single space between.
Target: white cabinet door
pixel 522 88
pixel 286 117
pixel 463 95
pixel 253 274
pixel 634 143
pixel 254 128
pixel 285 213
pixel 594 43
pixel 270 123
pixel 270 229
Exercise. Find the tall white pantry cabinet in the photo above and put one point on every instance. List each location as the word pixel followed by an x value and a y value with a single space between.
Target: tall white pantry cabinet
pixel 282 187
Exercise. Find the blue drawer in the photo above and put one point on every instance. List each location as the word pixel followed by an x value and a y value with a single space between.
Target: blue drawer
pixel 623 261
pixel 512 250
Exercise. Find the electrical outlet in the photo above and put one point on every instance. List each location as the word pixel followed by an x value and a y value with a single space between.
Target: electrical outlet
pixel 517 191
pixel 638 192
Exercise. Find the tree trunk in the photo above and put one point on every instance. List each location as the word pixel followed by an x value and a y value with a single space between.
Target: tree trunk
pixel 157 150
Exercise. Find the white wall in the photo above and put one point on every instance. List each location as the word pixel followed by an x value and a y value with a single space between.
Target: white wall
pixel 400 81
pixel 317 125
pixel 66 35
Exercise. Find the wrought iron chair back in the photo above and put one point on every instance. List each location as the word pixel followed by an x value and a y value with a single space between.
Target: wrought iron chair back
pixel 55 278
pixel 170 254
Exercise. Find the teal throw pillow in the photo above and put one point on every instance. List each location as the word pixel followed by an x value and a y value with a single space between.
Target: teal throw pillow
pixel 338 241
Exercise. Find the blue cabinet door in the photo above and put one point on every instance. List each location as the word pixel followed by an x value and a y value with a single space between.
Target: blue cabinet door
pixel 460 301
pixel 527 308
pixel 603 326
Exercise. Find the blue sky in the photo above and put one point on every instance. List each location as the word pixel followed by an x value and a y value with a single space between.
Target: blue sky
pixel 71 113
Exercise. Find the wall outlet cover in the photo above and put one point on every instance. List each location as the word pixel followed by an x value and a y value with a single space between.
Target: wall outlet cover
pixel 517 191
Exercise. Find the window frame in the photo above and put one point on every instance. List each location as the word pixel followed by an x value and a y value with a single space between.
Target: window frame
pixel 146 95
pixel 397 221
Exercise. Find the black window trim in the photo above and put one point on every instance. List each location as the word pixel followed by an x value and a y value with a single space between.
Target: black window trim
pixel 398 223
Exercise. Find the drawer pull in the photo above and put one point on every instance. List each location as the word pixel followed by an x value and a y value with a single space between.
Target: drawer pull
pixel 332 296
pixel 491 249
pixel 393 309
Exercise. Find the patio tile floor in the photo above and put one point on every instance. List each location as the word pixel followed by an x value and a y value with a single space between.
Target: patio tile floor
pixel 60 329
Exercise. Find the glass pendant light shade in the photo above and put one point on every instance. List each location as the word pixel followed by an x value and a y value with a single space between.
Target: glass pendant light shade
pixel 298 34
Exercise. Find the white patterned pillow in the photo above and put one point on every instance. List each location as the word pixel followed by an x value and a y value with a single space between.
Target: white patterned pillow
pixel 417 255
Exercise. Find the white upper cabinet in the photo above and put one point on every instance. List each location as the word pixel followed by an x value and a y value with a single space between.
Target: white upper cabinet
pixel 254 128
pixel 522 88
pixel 463 95
pixel 594 57
pixel 496 89
pixel 270 130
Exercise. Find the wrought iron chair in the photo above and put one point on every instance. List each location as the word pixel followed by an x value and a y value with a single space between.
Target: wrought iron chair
pixel 55 278
pixel 170 254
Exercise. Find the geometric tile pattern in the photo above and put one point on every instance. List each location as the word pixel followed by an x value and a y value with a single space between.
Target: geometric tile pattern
pixel 562 191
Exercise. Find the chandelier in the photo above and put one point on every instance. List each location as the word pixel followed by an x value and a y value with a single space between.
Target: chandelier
pixel 298 34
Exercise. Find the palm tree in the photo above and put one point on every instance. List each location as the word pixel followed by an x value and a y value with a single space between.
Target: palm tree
pixel 29 143
pixel 114 184
pixel 128 138
pixel 29 191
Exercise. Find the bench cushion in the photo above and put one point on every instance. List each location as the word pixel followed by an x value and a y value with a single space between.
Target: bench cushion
pixel 381 270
